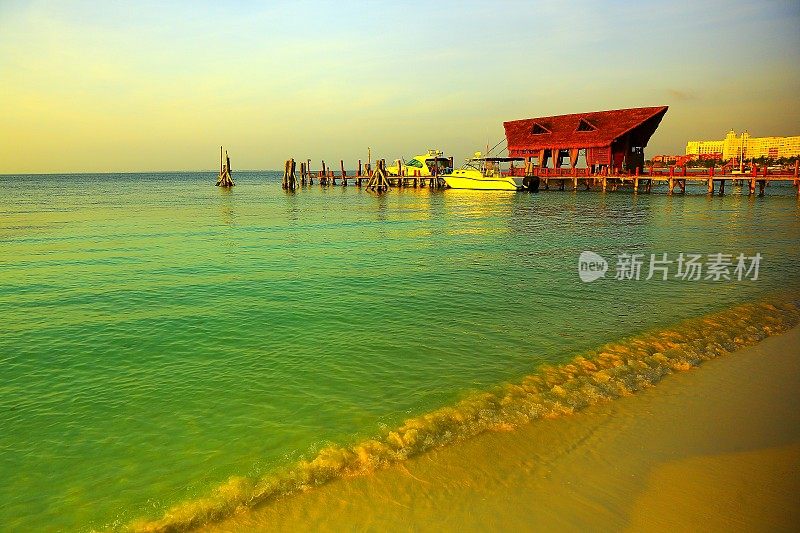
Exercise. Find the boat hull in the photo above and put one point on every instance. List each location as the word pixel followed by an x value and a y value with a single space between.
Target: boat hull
pixel 482 183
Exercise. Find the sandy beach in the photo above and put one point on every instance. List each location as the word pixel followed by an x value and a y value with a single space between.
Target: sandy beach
pixel 716 448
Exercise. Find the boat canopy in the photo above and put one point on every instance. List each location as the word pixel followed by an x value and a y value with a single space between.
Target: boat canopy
pixel 498 159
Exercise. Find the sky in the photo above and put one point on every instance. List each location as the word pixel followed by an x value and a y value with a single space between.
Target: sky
pixel 107 86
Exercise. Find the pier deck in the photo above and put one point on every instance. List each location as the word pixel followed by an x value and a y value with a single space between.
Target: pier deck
pixel 674 178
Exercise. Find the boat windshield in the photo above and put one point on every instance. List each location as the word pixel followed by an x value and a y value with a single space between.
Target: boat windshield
pixel 441 165
pixel 491 166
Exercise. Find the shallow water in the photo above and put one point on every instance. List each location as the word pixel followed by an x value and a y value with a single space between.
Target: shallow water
pixel 160 335
pixel 646 463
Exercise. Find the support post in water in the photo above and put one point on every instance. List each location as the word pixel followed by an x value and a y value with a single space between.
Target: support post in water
pixel 671 180
pixel 225 179
pixel 303 171
pixel 711 181
pixel 399 173
pixel 289 177
pixel 796 178
pixel 378 181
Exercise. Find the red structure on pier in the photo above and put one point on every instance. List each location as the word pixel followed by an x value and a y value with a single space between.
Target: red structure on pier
pixel 612 142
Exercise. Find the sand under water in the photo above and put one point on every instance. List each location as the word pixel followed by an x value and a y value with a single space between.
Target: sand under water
pixel 713 449
pixel 720 445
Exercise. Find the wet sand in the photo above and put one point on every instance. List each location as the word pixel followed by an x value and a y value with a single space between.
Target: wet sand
pixel 716 448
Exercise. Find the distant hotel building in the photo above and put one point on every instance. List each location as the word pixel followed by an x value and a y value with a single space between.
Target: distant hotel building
pixel 732 147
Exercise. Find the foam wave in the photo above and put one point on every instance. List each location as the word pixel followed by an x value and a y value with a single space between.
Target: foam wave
pixel 614 370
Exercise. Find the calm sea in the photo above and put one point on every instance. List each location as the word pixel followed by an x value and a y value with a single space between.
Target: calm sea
pixel 159 335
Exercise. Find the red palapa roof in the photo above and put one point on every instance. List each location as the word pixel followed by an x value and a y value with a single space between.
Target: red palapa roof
pixel 584 130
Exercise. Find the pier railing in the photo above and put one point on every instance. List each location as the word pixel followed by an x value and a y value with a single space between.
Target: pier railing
pixel 675 172
pixel 756 178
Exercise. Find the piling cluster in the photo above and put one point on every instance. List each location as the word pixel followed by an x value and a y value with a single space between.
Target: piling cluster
pixel 378 179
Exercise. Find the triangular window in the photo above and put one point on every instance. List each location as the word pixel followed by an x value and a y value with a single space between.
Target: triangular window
pixel 538 129
pixel 585 125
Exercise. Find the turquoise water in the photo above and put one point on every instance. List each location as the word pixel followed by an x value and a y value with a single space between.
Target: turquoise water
pixel 159 334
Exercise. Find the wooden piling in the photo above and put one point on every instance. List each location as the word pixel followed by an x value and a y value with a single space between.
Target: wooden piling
pixel 379 181
pixel 797 175
pixel 225 179
pixel 289 177
pixel 399 173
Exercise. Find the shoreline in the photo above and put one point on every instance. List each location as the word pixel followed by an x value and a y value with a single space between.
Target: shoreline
pixel 612 371
pixel 715 449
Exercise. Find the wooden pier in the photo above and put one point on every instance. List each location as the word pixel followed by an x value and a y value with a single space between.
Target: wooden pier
pixel 676 178
pixel 377 179
pixel 612 145
pixel 715 180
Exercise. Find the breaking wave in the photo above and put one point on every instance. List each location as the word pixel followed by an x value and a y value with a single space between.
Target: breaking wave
pixel 613 370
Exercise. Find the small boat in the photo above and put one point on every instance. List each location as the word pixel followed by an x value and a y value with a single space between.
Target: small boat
pixel 485 173
pixel 432 163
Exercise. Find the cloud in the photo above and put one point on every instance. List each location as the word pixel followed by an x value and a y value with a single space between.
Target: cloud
pixel 683 96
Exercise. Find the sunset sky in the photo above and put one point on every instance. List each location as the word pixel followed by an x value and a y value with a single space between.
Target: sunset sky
pixel 131 86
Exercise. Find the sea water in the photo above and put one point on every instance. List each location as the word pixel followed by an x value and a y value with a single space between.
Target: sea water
pixel 160 337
